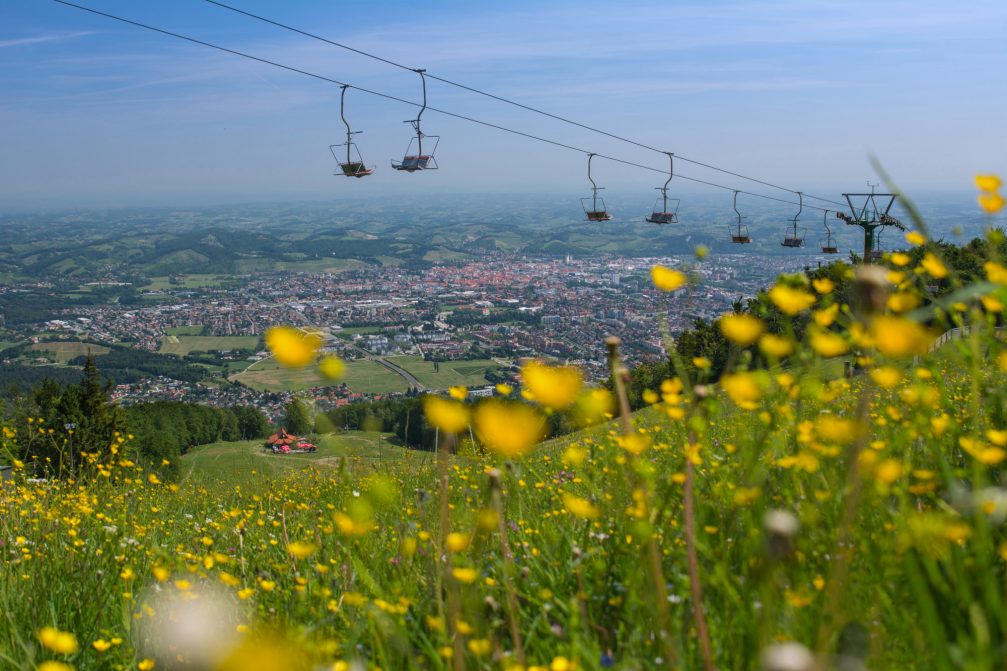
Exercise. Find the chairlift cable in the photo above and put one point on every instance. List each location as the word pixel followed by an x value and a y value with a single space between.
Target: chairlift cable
pixel 387 96
pixel 508 101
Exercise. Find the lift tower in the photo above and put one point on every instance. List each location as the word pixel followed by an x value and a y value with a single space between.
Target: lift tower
pixel 870 212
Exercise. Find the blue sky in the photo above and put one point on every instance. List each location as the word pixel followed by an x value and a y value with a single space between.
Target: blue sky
pixel 797 93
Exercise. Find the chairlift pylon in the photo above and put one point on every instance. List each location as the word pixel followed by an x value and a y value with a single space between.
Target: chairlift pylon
pixel 419 160
pixel 353 166
pixel 664 215
pixel 828 247
pixel 739 236
pixel 594 213
pixel 793 239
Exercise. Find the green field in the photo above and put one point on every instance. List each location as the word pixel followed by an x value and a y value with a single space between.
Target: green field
pixel 187 282
pixel 184 330
pixel 4 344
pixel 451 373
pixel 306 266
pixel 182 345
pixel 362 376
pixel 63 351
pixel 239 460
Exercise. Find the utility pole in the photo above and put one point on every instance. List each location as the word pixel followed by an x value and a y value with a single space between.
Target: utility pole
pixel 870 213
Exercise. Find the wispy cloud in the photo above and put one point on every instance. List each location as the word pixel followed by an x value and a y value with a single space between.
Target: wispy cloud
pixel 38 39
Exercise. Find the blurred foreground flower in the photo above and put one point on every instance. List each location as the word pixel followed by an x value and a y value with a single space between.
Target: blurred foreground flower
pixel 594 406
pixel 745 389
pixel 508 428
pixel 988 183
pixel 555 387
pixel 332 367
pixel 266 653
pixel 579 507
pixel 898 337
pixel 446 414
pixel 198 621
pixel 292 347
pixel 991 203
pixel 667 279
pixel 61 642
pixel 789 300
pixel 742 330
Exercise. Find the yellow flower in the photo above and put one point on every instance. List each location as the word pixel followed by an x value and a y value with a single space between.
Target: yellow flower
pixel 789 300
pixel 667 279
pixel 101 645
pixel 826 316
pixel 991 203
pixel 458 392
pixel 987 183
pixel 992 303
pixel 161 574
pixel 915 238
pixel 741 329
pixel 995 272
pixel 832 429
pixel 900 259
pixel 902 301
pixel 827 343
pixel 53 665
pixel 480 647
pixel 634 443
pixel 743 388
pixel 447 415
pixel 555 387
pixel 267 585
pixel 700 362
pixel 897 336
pixel 145 665
pixel 291 347
pixel 508 428
pixel 579 507
pixel 886 377
pixel 775 346
pixel 823 285
pixel 504 389
pixel 465 575
pixel 61 642
pixel 888 471
pixel 301 549
pixel 457 542
pixel 933 266
pixel 331 367
pixel 593 406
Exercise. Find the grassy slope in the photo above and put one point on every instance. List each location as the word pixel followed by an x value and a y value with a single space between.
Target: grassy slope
pixel 231 461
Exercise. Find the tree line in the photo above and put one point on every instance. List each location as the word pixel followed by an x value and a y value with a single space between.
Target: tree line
pixel 54 427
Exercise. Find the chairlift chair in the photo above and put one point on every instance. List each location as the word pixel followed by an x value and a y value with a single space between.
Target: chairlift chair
pixel 419 159
pixel 792 239
pixel 828 247
pixel 353 166
pixel 664 215
pixel 739 236
pixel 593 211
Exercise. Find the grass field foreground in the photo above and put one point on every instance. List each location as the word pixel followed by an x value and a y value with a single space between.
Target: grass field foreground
pixel 777 514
